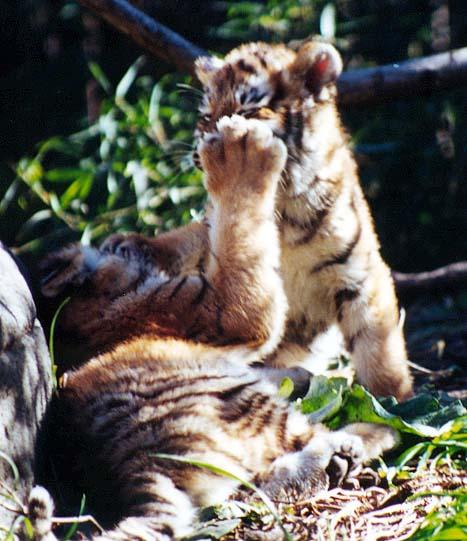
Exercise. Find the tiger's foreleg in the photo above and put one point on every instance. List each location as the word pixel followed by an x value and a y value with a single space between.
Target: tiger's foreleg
pixel 327 459
pixel 238 299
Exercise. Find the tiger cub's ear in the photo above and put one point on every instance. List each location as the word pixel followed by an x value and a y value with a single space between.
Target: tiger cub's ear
pixel 206 67
pixel 317 64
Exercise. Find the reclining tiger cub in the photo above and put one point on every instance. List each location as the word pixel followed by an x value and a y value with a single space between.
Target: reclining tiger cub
pixel 179 318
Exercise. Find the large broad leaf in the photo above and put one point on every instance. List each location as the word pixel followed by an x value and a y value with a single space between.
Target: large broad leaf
pixel 324 398
pixel 426 415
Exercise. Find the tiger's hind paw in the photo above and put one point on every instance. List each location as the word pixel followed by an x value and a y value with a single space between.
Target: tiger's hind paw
pixel 67 268
pixel 355 445
pixel 329 459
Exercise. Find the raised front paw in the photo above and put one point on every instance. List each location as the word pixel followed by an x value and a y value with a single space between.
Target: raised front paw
pixel 242 154
pixel 69 267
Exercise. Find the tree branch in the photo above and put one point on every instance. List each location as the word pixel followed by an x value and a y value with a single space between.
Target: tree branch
pixel 150 35
pixel 363 86
pixel 410 78
pixel 447 276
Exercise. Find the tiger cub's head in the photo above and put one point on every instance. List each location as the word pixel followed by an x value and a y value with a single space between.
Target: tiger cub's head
pixel 288 89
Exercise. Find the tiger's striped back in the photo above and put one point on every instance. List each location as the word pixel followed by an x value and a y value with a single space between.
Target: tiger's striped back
pixel 123 409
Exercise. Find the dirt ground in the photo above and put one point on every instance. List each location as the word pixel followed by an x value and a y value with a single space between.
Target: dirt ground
pixel 436 331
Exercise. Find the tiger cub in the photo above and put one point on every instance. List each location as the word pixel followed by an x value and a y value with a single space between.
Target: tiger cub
pixel 158 392
pixel 330 262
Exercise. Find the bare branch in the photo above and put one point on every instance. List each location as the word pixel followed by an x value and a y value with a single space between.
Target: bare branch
pixel 450 275
pixel 363 86
pixel 152 36
pixel 410 78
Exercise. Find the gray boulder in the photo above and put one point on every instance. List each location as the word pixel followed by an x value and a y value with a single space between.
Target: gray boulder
pixel 25 384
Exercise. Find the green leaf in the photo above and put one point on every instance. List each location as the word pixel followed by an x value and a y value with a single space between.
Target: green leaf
pixel 324 398
pixel 61 145
pixel 410 453
pixel 70 193
pixel 434 409
pixel 55 204
pixel 361 406
pixel 454 533
pixel 100 76
pixel 28 527
pixel 63 174
pixel 128 79
pixel 52 340
pixel 30 170
pixel 286 388
pixel 72 530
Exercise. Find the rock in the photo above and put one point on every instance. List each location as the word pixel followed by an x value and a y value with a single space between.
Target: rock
pixel 25 383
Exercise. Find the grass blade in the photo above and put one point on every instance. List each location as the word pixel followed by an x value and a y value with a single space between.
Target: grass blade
pixel 52 339
pixel 224 473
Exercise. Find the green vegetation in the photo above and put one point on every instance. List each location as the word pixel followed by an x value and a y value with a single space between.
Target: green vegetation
pixel 130 170
pixel 128 167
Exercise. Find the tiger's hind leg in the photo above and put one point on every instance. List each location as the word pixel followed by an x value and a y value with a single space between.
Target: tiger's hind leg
pixel 328 459
pixel 368 319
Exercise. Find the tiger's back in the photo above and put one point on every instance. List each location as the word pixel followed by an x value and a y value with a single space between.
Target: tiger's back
pixel 126 409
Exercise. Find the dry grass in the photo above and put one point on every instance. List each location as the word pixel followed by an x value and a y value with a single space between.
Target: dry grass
pixel 359 514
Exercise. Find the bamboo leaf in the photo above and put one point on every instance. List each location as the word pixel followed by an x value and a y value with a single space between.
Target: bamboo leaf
pixel 128 79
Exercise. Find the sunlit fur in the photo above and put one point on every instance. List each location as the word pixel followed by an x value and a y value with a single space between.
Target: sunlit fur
pixel 330 262
pixel 156 390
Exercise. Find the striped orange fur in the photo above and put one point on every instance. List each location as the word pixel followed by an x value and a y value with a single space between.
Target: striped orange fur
pixel 330 262
pixel 157 390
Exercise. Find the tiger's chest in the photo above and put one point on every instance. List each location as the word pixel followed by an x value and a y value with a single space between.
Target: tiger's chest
pixel 311 267
pixel 307 295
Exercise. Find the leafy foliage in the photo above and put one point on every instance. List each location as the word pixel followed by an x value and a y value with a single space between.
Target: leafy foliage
pixel 274 20
pixel 130 170
pixel 433 428
pixel 448 521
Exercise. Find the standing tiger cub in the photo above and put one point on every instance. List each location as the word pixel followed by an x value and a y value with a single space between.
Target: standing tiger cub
pixel 330 262
pixel 160 392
